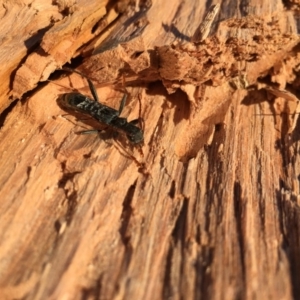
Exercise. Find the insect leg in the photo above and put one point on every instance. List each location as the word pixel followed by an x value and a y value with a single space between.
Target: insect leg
pixel 92 131
pixel 135 121
pixel 91 85
pixel 122 104
pixel 93 90
pixel 138 121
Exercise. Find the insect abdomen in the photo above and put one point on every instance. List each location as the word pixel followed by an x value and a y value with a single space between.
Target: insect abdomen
pixel 81 103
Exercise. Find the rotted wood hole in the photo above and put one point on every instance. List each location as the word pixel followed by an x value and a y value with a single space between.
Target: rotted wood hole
pixel 149 150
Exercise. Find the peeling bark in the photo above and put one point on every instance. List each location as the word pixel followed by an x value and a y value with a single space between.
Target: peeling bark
pixel 207 208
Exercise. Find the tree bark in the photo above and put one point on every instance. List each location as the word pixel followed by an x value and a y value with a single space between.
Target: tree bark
pixel 206 208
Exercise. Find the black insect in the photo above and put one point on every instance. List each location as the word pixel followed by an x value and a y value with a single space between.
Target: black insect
pixel 78 103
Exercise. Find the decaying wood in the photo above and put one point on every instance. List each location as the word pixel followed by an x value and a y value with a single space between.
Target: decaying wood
pixel 209 209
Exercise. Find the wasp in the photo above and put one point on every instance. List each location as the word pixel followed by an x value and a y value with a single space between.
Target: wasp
pixel 80 104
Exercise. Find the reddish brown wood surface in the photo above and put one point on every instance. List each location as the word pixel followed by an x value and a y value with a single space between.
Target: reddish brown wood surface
pixel 208 210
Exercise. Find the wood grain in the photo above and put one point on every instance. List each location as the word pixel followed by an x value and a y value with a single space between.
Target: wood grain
pixel 208 210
